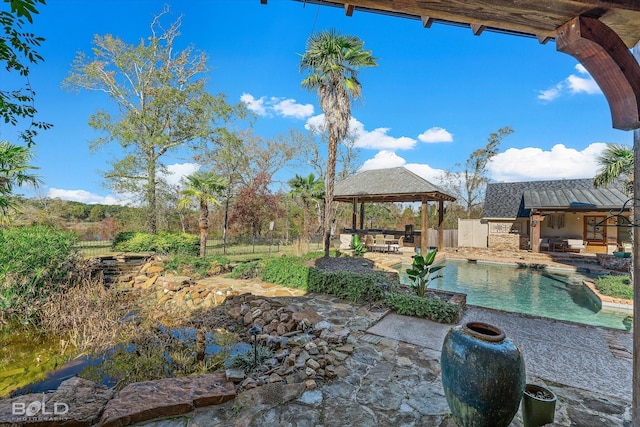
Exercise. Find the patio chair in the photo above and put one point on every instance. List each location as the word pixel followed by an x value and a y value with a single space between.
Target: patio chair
pixel 576 245
pixel 379 243
pixel 544 244
pixel 368 242
pixel 395 247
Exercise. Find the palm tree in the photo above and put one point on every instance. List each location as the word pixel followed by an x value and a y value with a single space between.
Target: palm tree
pixel 308 189
pixel 14 171
pixel 202 186
pixel 615 161
pixel 332 61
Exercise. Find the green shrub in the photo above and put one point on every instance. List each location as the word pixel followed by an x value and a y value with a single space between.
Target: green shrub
pixel 615 286
pixel 164 243
pixel 246 270
pixel 35 262
pixel 287 271
pixel 192 265
pixel 357 246
pixel 317 254
pixel 357 287
pixel 430 308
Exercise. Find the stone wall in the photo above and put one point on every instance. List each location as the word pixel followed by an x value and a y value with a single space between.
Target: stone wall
pixel 504 241
pixel 611 262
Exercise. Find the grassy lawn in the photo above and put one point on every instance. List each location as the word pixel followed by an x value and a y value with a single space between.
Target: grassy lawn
pixel 615 286
pixel 235 252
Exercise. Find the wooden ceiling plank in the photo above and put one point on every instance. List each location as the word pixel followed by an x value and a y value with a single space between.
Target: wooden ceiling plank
pixel 537 18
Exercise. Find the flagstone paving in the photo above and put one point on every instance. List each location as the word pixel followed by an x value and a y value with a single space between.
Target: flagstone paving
pixel 392 377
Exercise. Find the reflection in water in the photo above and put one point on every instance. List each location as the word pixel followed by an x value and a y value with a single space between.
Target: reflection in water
pixel 160 354
pixel 538 292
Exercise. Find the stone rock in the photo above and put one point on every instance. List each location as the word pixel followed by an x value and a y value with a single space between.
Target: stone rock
pixel 141 278
pixel 275 378
pixel 321 326
pixel 308 314
pixel 154 269
pixel 235 374
pixel 336 336
pixel 147 400
pixel 311 363
pixel 77 402
pixel 173 283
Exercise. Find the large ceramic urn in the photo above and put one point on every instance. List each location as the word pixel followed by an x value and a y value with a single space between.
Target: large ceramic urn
pixel 483 375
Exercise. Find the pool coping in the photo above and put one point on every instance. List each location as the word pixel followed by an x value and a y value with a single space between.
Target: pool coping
pixel 608 303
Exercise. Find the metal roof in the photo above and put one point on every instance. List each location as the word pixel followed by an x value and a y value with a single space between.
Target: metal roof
pixel 516 199
pixel 388 185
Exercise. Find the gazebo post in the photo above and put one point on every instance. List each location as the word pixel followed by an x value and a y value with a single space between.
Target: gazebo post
pixel 354 205
pixel 362 215
pixel 423 227
pixel 440 225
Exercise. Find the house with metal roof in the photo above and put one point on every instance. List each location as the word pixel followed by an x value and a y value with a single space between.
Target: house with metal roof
pixel 524 214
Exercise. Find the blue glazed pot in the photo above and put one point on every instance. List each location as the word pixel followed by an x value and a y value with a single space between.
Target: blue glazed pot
pixel 483 375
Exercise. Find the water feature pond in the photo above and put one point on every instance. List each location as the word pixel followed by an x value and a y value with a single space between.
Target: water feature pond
pixel 552 293
pixel 37 364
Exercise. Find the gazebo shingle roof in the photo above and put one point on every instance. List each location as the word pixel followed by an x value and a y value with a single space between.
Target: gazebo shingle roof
pixel 388 185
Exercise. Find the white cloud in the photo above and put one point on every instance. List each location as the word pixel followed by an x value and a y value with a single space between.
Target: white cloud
pixel 253 104
pixel 427 172
pixel 436 134
pixel 177 171
pixel 382 160
pixel 388 159
pixel 377 139
pixel 290 108
pixel 528 164
pixel 582 83
pixel 85 197
pixel 284 107
pixel 551 94
pixel 315 123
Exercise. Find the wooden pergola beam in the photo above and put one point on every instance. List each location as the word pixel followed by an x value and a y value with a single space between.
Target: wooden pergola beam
pixel 427 21
pixel 608 60
pixel 348 9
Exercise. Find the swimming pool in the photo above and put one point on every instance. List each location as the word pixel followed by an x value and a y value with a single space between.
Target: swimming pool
pixel 540 292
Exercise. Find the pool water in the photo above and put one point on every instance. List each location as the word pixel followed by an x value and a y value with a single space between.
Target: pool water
pixel 541 292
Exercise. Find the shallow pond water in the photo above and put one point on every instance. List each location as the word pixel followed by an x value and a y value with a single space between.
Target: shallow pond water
pixel 27 356
pixel 164 353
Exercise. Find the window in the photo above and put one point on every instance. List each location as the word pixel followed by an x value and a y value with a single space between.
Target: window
pixel 594 228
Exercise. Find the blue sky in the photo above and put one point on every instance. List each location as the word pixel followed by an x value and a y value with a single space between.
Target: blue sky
pixel 435 96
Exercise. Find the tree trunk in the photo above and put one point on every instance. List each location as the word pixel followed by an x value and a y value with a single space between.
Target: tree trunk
pixel 204 227
pixel 224 226
pixel 152 215
pixel 328 205
pixel 306 227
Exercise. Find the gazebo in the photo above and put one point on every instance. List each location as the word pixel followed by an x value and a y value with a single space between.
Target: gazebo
pixel 392 185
